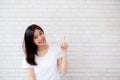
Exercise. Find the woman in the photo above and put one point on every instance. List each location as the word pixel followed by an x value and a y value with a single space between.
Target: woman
pixel 43 62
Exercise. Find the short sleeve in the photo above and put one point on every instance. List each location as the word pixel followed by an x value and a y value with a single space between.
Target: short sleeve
pixel 59 53
pixel 26 65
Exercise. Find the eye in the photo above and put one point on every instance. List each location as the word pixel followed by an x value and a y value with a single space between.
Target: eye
pixel 40 33
pixel 35 37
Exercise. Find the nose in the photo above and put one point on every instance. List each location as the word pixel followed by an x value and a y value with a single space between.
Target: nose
pixel 40 38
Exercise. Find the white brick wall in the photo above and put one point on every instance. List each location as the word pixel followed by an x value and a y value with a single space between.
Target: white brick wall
pixel 92 28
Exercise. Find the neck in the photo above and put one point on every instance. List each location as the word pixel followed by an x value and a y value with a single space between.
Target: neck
pixel 42 47
pixel 42 50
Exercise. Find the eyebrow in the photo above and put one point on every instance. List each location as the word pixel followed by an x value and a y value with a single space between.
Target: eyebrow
pixel 39 32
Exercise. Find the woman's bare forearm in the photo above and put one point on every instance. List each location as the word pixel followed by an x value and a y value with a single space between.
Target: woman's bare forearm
pixel 64 64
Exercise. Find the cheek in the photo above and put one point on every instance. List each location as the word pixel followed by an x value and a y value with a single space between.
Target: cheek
pixel 43 36
pixel 34 41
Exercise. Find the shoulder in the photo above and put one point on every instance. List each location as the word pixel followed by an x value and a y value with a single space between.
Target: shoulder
pixel 56 50
pixel 55 47
pixel 25 64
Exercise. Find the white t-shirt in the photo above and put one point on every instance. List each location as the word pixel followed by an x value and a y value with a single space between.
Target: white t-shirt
pixel 46 68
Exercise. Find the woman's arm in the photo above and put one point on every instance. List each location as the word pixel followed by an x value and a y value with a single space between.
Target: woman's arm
pixel 30 72
pixel 62 63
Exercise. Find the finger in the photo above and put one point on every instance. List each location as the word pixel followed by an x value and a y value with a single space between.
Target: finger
pixel 64 39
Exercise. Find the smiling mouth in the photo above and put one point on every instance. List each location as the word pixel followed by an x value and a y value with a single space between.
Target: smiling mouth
pixel 41 41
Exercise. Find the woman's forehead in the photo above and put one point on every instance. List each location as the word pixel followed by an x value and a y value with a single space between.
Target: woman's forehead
pixel 37 31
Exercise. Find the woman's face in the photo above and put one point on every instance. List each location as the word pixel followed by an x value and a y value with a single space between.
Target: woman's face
pixel 39 38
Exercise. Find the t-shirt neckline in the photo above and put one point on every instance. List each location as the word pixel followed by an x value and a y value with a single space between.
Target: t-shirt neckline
pixel 41 57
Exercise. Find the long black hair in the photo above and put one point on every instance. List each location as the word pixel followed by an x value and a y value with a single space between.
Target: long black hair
pixel 29 47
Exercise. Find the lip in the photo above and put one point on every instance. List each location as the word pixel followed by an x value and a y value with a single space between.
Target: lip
pixel 41 41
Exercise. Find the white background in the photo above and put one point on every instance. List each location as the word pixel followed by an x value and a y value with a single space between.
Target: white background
pixel 92 28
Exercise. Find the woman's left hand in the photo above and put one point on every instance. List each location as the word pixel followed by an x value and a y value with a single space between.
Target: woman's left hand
pixel 64 45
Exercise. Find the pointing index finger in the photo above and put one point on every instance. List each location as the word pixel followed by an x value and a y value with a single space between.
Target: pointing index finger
pixel 64 39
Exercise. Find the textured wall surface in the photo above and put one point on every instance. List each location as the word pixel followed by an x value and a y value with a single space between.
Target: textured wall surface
pixel 92 28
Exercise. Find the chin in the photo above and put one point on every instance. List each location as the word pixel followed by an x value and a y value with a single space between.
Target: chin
pixel 42 44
